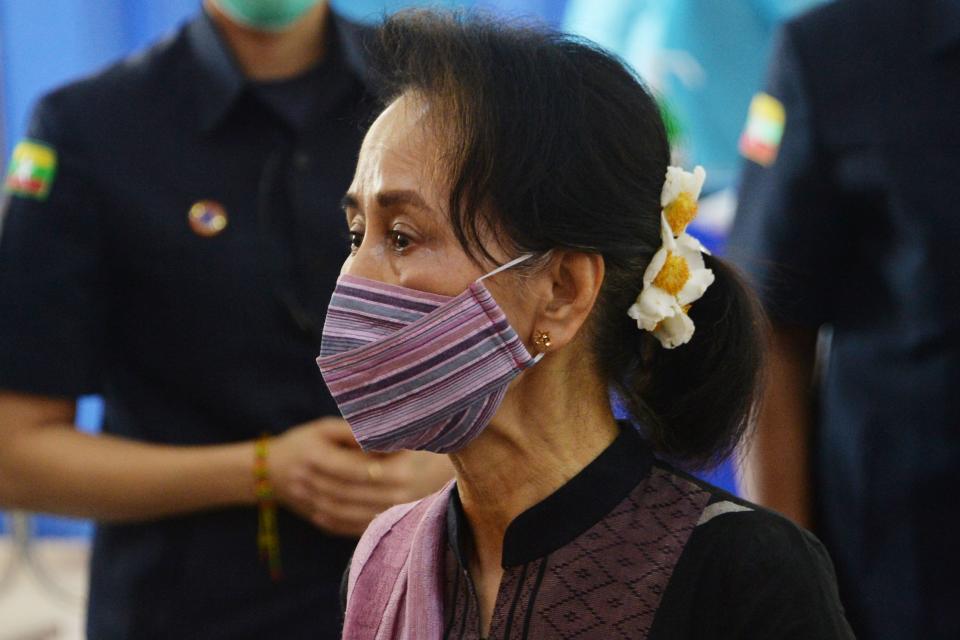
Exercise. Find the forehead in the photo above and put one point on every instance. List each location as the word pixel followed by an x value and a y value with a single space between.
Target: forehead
pixel 399 146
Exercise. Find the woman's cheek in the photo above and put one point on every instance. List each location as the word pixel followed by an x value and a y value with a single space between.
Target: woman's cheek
pixel 427 269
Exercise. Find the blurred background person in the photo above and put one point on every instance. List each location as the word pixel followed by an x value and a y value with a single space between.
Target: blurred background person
pixel 704 60
pixel 848 221
pixel 171 234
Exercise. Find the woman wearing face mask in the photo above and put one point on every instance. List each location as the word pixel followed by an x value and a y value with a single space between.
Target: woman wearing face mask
pixel 519 251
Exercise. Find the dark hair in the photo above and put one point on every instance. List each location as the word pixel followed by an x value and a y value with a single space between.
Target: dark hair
pixel 555 143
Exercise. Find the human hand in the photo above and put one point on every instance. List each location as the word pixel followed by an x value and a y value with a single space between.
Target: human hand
pixel 319 471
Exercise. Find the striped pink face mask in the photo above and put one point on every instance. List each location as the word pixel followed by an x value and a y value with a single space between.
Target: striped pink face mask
pixel 415 370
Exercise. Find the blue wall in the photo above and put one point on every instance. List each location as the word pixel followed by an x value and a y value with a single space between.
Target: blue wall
pixel 44 43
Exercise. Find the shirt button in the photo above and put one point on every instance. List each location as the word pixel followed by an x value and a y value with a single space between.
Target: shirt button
pixel 301 160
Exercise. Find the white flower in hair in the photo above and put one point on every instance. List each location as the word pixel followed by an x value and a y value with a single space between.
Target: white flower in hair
pixel 680 182
pixel 676 276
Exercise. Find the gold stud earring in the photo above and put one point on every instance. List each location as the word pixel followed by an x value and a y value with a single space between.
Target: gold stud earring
pixel 541 340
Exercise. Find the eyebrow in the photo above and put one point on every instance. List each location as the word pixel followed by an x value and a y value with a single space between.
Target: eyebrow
pixel 388 199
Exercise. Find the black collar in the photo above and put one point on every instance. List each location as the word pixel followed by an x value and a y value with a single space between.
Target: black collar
pixel 568 512
pixel 220 80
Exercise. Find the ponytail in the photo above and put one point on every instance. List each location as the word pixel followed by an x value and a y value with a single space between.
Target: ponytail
pixel 695 402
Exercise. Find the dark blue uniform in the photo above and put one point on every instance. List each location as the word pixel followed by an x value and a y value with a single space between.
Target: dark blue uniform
pixel 197 328
pixel 856 225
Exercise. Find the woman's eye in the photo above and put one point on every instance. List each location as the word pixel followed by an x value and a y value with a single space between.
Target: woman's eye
pixel 356 239
pixel 399 241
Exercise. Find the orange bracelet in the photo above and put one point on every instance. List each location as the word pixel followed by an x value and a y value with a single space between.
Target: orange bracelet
pixel 268 537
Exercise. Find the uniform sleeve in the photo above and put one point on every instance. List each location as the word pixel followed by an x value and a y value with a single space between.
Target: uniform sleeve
pixel 51 276
pixel 788 231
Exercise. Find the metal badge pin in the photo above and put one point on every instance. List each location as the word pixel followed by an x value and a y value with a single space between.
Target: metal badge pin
pixel 207 218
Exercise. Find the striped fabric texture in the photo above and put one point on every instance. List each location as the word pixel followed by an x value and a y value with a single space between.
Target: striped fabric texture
pixel 415 370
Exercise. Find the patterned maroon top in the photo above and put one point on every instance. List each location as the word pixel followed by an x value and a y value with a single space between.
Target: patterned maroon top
pixel 601 558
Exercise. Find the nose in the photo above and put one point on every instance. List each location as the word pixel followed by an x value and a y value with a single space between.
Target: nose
pixel 366 263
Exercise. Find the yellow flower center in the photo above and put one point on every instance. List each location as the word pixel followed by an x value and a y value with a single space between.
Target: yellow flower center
pixel 673 275
pixel 681 212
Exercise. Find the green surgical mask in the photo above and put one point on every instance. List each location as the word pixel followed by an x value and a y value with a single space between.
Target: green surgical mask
pixel 266 15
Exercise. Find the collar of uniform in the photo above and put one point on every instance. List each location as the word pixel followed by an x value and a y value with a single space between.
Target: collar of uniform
pixel 942 23
pixel 220 80
pixel 569 511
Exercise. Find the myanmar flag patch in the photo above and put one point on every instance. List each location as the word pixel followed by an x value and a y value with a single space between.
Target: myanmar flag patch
pixel 761 137
pixel 32 169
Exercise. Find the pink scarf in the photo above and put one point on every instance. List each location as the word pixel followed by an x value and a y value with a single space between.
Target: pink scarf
pixel 395 590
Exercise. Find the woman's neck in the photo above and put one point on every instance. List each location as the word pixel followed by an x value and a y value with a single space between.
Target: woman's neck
pixel 537 442
pixel 265 55
pixel 505 472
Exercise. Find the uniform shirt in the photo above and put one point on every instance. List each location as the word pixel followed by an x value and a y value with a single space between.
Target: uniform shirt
pixel 194 332
pixel 855 224
pixel 631 548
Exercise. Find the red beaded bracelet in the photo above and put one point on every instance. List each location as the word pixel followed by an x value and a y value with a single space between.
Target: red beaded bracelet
pixel 268 537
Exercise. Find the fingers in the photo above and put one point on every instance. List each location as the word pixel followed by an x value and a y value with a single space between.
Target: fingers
pixel 376 496
pixel 351 466
pixel 343 518
pixel 378 481
pixel 328 513
pixel 338 487
pixel 348 466
pixel 346 507
pixel 336 430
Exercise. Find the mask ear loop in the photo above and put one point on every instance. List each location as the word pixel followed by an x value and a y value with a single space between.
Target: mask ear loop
pixel 506 266
pixel 537 358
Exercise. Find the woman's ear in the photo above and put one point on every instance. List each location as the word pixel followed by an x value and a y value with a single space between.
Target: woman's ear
pixel 574 283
